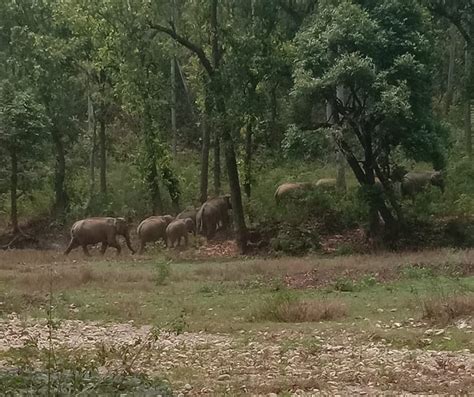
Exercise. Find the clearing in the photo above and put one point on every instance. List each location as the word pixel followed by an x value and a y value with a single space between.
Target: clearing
pixel 400 323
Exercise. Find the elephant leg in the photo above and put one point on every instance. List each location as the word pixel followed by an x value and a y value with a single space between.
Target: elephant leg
pixel 72 244
pixel 116 246
pixel 141 250
pixel 186 240
pixel 85 250
pixel 103 248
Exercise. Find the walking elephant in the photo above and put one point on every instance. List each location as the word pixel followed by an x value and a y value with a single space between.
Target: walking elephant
pixel 99 230
pixel 178 230
pixel 153 229
pixel 212 215
pixel 189 212
pixel 415 182
pixel 291 189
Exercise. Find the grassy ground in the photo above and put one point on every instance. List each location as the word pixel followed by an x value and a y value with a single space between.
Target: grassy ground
pixel 415 302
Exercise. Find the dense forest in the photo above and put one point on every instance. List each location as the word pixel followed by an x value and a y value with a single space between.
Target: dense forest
pixel 139 107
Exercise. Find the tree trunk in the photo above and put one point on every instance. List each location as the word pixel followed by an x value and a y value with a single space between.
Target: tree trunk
pixel 153 184
pixel 174 129
pixel 467 100
pixel 341 172
pixel 235 193
pixel 273 137
pixel 248 160
pixel 151 166
pixel 206 139
pixel 451 63
pixel 217 163
pixel 92 128
pixel 103 157
pixel 61 197
pixel 14 193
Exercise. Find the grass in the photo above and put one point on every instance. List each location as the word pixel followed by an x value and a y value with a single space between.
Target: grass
pixel 444 309
pixel 234 295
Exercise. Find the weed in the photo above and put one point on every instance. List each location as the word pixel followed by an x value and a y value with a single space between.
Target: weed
pixel 417 272
pixel 286 307
pixel 163 271
pixel 344 285
pixel 444 309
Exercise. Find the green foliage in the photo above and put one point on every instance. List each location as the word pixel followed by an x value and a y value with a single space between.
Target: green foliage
pixel 163 271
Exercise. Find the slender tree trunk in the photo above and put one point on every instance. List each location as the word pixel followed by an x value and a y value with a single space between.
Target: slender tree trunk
pixel 61 197
pixel 248 160
pixel 206 140
pixel 14 192
pixel 235 193
pixel 174 129
pixel 467 99
pixel 92 127
pixel 103 157
pixel 451 63
pixel 217 163
pixel 273 137
pixel 341 172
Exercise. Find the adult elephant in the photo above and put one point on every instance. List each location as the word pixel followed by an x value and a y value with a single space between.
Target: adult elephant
pixel 415 182
pixel 291 190
pixel 213 214
pixel 153 229
pixel 99 230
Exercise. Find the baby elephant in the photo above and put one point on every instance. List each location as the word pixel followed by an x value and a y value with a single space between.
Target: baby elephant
pixel 179 229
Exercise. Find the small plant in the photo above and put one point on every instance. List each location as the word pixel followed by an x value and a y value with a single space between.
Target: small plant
pixel 344 285
pixel 417 272
pixel 163 271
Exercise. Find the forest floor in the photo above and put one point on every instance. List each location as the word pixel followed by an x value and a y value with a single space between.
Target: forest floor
pixel 355 324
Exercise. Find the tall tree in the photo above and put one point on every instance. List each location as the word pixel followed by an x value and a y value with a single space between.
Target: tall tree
pixel 380 52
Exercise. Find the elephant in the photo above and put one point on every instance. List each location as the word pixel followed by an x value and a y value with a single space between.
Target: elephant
pixel 415 182
pixel 213 214
pixel 99 230
pixel 153 229
pixel 326 184
pixel 179 229
pixel 290 189
pixel 189 212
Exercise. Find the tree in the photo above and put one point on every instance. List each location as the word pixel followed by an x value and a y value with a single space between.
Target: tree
pixel 213 69
pixel 380 54
pixel 22 138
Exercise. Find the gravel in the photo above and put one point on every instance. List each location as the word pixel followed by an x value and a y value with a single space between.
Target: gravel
pixel 257 362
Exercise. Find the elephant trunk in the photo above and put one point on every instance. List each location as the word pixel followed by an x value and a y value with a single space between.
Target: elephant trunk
pixel 127 241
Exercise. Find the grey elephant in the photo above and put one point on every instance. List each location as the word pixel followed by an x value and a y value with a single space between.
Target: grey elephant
pixel 99 230
pixel 213 214
pixel 415 182
pixel 291 189
pixel 153 229
pixel 177 230
pixel 326 184
pixel 189 212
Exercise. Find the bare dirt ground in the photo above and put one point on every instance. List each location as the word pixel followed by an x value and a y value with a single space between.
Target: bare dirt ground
pixel 259 363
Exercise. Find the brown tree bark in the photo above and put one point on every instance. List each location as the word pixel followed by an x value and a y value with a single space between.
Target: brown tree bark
pixel 61 198
pixel 206 141
pixel 103 156
pixel 468 76
pixel 217 163
pixel 14 192
pixel 248 160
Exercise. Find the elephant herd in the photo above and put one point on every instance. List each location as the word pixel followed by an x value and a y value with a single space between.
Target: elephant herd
pixel 411 184
pixel 213 215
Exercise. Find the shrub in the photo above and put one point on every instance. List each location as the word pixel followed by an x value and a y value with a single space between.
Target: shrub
pixel 445 309
pixel 287 308
pixel 296 240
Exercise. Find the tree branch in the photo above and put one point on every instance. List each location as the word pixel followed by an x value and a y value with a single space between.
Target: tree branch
pixel 198 51
pixel 456 21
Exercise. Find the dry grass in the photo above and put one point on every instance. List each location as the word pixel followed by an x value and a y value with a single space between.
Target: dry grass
pixel 320 271
pixel 443 310
pixel 286 308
